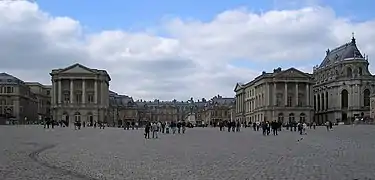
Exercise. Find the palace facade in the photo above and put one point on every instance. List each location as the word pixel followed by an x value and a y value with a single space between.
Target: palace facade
pixel 80 93
pixel 23 102
pixel 340 89
pixel 343 85
pixel 284 95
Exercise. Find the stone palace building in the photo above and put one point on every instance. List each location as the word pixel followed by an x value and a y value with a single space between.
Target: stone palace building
pixel 284 95
pixel 23 102
pixel 343 85
pixel 80 93
pixel 339 90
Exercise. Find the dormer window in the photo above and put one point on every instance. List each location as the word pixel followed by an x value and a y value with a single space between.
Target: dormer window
pixel 360 71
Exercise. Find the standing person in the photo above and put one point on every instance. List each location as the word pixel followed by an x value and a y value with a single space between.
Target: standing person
pixel 183 124
pixel 154 129
pixel 163 127
pixel 327 125
pixel 300 128
pixel 304 126
pixel 238 126
pixel 147 131
pixel 179 127
pixel 274 126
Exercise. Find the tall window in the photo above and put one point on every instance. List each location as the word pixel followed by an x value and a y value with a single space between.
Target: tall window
pixel 289 101
pixel 77 116
pixel 291 117
pixel 300 99
pixel 66 97
pixel 280 117
pixel 349 72
pixel 9 90
pixel 78 97
pixel 279 99
pixel 366 97
pixel 302 117
pixel 90 98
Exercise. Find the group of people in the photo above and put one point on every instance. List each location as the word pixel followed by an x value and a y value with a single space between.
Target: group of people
pixel 232 126
pixel 164 127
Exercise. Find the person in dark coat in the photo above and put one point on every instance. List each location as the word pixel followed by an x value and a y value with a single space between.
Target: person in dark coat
pixel 274 126
pixel 147 130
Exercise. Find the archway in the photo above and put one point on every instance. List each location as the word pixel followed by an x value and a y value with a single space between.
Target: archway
pixel 344 99
pixel 65 118
pixel 77 116
pixel 291 117
pixel 366 98
pixel 90 119
pixel 280 117
pixel 302 117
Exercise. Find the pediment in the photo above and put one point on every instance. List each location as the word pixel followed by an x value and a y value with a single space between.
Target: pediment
pixel 292 73
pixel 237 88
pixel 77 69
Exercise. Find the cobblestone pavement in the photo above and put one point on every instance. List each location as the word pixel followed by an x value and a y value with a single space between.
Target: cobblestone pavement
pixel 31 152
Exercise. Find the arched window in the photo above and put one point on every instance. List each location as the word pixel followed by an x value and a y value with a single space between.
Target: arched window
pixel 349 72
pixel 65 116
pixel 77 116
pixel 291 117
pixel 360 71
pixel 302 117
pixel 344 98
pixel 366 97
pixel 280 117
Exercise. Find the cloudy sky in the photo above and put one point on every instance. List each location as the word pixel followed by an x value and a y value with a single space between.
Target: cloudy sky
pixel 177 49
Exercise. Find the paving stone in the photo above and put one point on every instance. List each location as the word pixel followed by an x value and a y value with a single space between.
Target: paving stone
pixel 31 152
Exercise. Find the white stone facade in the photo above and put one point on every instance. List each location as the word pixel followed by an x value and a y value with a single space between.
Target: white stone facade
pixel 80 93
pixel 285 96
pixel 343 85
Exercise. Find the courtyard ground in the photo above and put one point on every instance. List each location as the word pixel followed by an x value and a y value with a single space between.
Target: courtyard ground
pixel 31 152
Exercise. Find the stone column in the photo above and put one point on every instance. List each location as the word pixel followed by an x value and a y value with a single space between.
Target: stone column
pixel 274 97
pixel 307 94
pixel 53 94
pixel 286 94
pixel 297 94
pixel 267 95
pixel 102 93
pixel 95 91
pixel 83 91
pixel 322 99
pixel 59 89
pixel 71 91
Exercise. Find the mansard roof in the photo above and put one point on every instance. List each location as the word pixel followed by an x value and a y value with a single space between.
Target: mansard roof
pixel 341 53
pixel 6 78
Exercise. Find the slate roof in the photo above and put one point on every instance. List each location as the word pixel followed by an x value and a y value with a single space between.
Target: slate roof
pixel 341 53
pixel 6 78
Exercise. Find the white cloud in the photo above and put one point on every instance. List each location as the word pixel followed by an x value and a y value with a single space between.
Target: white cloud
pixel 196 59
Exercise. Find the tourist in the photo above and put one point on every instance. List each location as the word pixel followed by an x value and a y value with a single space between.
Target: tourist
pixel 274 126
pixel 183 124
pixel 154 128
pixel 147 131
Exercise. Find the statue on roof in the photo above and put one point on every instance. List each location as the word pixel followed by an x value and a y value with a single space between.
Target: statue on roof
pixel 353 38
